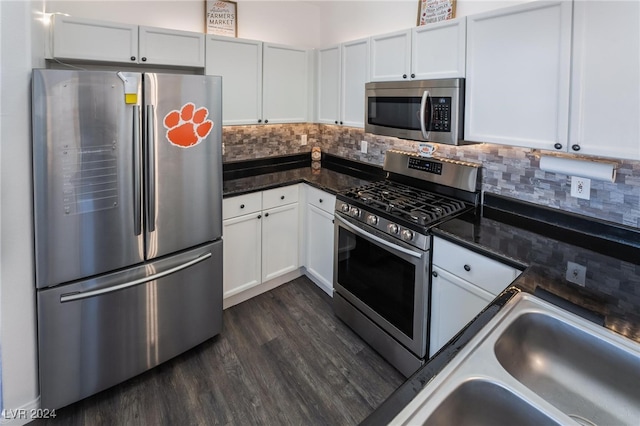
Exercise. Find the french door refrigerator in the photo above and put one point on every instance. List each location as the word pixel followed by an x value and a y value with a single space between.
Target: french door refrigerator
pixel 128 221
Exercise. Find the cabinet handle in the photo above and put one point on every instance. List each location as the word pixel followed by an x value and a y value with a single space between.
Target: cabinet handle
pixel 434 273
pixel 404 76
pixel 242 206
pixel 336 121
pixel 341 122
pixel 575 147
pixel 259 120
pixel 133 58
pixel 144 59
pixel 413 76
pixel 266 121
pixel 558 146
pixel 282 197
pixel 266 215
pixel 467 268
pixel 320 200
pixel 259 216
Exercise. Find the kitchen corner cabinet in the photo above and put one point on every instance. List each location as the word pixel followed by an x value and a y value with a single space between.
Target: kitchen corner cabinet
pixel 343 71
pixel 91 40
pixel 430 51
pixel 263 83
pixel 518 72
pixel 463 283
pixel 260 233
pixel 319 238
pixel 605 101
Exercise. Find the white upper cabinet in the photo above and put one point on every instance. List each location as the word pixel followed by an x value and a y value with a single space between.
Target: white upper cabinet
pixel 328 93
pixel 343 71
pixel 285 80
pixel 90 40
pixel 391 56
pixel 438 50
pixel 161 46
pixel 518 71
pixel 430 51
pixel 354 75
pixel 605 94
pixel 239 62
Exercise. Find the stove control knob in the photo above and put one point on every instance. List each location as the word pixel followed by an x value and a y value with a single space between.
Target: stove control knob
pixel 372 219
pixel 393 228
pixel 407 234
pixel 355 212
pixel 344 207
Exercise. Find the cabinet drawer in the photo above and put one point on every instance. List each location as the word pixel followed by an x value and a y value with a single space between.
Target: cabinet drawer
pixel 242 204
pixel 320 199
pixel 279 196
pixel 488 274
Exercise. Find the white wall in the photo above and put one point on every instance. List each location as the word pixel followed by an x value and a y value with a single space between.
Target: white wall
pixel 18 318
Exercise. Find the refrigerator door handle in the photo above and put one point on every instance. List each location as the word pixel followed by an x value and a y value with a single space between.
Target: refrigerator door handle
pixel 70 297
pixel 137 196
pixel 151 169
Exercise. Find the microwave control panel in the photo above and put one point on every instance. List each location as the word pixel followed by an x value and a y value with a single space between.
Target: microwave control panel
pixel 441 114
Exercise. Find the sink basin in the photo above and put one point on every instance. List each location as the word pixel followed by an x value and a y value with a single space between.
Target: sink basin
pixel 479 402
pixel 591 379
pixel 534 363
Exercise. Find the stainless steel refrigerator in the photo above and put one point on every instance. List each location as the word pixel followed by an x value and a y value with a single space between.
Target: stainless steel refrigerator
pixel 128 222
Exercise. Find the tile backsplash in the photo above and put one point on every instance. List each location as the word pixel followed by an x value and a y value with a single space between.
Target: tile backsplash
pixel 509 171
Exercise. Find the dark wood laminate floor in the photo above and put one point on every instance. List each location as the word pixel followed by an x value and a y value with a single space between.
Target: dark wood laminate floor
pixel 282 358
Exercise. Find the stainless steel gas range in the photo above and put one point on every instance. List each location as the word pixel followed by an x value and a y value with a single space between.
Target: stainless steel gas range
pixel 381 256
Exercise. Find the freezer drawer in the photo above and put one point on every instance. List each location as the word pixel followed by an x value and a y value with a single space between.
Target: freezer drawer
pixel 97 333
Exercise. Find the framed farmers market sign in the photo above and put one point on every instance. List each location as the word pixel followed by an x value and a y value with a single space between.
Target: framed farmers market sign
pixel 221 17
pixel 435 10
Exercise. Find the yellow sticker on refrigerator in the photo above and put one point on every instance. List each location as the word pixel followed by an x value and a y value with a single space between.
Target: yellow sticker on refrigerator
pixel 188 126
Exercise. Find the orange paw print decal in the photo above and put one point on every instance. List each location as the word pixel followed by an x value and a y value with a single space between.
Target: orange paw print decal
pixel 187 127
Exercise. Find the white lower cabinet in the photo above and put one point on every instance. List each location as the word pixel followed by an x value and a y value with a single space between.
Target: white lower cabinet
pixel 318 238
pixel 260 233
pixel 463 282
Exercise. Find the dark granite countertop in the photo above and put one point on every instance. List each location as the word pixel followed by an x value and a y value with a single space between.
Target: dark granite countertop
pixel 333 176
pixel 541 243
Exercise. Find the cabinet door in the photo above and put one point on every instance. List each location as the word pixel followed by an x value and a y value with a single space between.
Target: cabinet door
pixel 91 40
pixel 239 62
pixel 518 65
pixel 355 73
pixel 241 253
pixel 454 302
pixel 328 92
pixel 605 102
pixel 319 237
pixel 285 84
pixel 279 241
pixel 391 56
pixel 161 46
pixel 438 50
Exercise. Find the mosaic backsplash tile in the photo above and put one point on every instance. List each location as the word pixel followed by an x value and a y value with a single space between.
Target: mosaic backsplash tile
pixel 508 171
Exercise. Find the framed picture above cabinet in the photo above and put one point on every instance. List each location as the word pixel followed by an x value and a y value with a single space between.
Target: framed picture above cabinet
pixel 221 17
pixel 430 11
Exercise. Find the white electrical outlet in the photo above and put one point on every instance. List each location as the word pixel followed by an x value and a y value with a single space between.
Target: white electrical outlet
pixel 363 147
pixel 303 140
pixel 222 149
pixel 581 187
pixel 576 273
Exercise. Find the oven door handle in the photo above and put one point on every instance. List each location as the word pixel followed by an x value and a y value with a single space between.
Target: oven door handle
pixel 378 239
pixel 423 122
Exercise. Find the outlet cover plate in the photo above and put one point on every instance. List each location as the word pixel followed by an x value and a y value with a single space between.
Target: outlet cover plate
pixel 576 273
pixel 364 146
pixel 580 187
pixel 303 140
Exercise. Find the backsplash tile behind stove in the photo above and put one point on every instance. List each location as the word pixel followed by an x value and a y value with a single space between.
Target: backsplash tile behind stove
pixel 508 171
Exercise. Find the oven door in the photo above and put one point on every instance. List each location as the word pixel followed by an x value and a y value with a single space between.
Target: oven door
pixel 385 279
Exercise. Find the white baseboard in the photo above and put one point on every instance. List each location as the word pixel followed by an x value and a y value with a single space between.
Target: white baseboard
pixel 260 288
pixel 24 414
pixel 316 281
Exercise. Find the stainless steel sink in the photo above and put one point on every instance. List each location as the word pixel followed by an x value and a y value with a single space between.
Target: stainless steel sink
pixel 535 363
pixel 584 375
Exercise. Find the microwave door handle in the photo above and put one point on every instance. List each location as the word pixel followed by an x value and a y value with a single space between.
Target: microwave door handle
pixel 426 96
pixel 377 239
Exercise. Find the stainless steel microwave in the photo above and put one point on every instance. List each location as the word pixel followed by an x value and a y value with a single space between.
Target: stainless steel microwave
pixel 421 110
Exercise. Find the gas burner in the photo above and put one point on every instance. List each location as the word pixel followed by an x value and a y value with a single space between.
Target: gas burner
pixel 420 217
